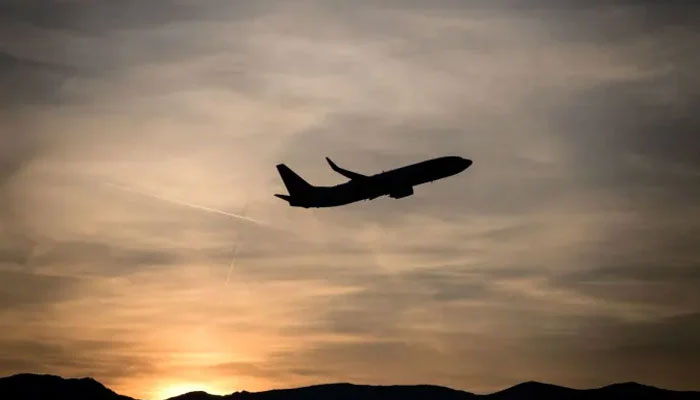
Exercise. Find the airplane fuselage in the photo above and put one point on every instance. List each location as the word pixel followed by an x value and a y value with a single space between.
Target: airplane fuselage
pixel 395 183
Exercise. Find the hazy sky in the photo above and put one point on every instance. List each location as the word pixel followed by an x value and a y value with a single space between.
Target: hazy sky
pixel 568 253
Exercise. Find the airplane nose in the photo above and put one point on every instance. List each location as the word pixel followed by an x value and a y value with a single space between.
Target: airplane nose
pixel 467 162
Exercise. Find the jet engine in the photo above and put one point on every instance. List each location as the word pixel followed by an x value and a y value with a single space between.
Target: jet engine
pixel 402 192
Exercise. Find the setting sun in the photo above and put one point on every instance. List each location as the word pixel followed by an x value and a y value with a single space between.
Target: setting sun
pixel 175 389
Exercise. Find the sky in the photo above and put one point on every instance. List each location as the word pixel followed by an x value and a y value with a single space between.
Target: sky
pixel 568 253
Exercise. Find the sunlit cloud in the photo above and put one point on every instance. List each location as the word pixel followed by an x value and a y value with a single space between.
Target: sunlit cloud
pixel 140 242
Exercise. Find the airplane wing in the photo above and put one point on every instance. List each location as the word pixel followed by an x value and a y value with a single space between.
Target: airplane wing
pixel 344 172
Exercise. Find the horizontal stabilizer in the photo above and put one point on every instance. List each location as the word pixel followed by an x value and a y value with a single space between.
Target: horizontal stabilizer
pixel 284 197
pixel 344 172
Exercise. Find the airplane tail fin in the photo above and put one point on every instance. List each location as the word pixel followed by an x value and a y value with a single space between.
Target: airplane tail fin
pixel 295 184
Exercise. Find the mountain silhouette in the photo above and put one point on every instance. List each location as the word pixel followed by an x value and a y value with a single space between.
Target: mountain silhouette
pixel 628 390
pixel 49 387
pixel 343 391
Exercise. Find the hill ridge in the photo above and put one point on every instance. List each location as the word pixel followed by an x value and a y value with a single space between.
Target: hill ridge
pixel 28 386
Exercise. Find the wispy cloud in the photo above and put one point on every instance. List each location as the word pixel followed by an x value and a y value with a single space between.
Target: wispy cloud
pixel 571 237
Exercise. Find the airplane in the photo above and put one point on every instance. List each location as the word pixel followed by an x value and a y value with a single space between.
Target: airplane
pixel 397 183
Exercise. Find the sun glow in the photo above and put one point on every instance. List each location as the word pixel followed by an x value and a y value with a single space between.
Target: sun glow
pixel 175 389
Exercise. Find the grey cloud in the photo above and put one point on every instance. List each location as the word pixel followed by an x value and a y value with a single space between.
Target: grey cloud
pixel 80 253
pixel 677 336
pixel 355 362
pixel 22 289
pixel 633 119
pixel 15 252
pixel 646 283
pixel 651 117
pixel 583 182
pixel 108 359
pixel 101 16
pixel 643 272
pixel 613 22
pixel 27 81
pixel 669 346
pixel 382 303
pixel 654 351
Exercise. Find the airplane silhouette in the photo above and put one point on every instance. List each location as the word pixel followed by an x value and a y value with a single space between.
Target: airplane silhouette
pixel 397 183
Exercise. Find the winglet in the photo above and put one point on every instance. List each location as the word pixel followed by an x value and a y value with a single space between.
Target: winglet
pixel 344 172
pixel 332 164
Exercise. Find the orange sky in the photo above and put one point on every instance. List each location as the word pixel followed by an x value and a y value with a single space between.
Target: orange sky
pixel 564 255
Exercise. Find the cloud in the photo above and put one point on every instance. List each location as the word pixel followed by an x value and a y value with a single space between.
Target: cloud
pixel 27 81
pixel 22 289
pixel 112 259
pixel 569 238
pixel 102 16
pixel 76 358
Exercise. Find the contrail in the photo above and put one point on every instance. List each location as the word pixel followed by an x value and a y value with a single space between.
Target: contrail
pixel 233 261
pixel 237 246
pixel 185 204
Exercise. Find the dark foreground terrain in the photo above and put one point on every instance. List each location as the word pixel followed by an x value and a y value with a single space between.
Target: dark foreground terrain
pixel 49 387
